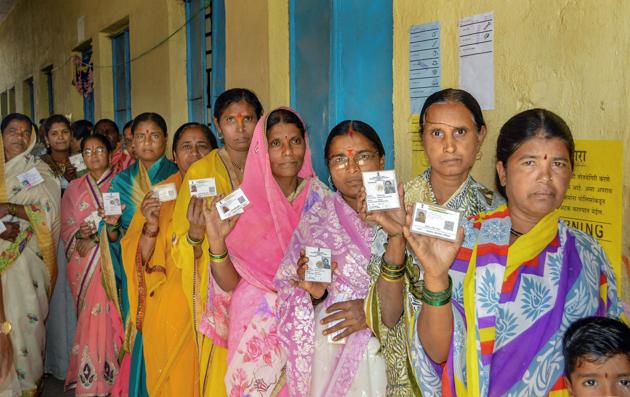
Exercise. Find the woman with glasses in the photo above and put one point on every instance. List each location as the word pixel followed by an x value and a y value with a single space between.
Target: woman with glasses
pixel 98 339
pixel 322 327
pixel 452 131
pixel 133 183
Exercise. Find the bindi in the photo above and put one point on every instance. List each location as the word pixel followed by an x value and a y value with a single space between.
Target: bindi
pixel 239 116
pixel 350 153
pixel 545 156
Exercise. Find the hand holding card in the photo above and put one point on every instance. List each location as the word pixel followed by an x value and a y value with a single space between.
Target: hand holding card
pixel 111 203
pixel 381 190
pixel 232 204
pixel 165 192
pixel 319 265
pixel 77 161
pixel 205 187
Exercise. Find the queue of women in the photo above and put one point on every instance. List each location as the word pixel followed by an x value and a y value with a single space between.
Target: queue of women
pixel 171 300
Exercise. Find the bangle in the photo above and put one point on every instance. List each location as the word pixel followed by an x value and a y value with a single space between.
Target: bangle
pixel 217 258
pixel 146 232
pixel 391 273
pixel 320 299
pixel 193 242
pixel 439 298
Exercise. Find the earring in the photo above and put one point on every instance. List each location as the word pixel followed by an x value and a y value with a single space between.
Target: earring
pixel 479 155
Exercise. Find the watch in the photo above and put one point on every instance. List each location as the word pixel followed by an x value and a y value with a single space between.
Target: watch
pixel 5 328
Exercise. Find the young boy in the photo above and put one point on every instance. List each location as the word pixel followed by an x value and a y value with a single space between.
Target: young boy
pixel 597 357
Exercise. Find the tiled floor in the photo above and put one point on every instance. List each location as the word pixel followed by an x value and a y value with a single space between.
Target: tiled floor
pixel 54 388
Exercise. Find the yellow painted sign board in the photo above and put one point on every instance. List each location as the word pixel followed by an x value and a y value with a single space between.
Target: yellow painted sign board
pixel 593 202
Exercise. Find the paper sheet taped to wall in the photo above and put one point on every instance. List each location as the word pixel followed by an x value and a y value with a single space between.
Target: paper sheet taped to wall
pixel 476 57
pixel 425 68
pixel 593 202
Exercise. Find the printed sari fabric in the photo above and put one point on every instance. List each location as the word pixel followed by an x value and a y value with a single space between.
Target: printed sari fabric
pixel 211 340
pixel 471 198
pixel 254 350
pixel 94 356
pixel 28 267
pixel 133 184
pixel 121 159
pixel 512 305
pixel 157 308
pixel 315 366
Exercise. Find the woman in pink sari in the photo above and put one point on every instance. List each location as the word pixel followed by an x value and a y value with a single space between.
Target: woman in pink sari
pixel 94 359
pixel 280 184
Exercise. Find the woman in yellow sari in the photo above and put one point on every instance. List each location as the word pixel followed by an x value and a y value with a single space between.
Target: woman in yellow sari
pixel 29 211
pixel 154 282
pixel 236 112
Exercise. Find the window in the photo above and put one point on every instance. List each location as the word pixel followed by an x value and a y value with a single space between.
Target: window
pixel 88 100
pixel 48 73
pixel 199 58
pixel 28 98
pixel 122 77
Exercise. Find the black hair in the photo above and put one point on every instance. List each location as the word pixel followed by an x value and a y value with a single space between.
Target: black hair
pixel 99 137
pixel 128 124
pixel 594 339
pixel 457 96
pixel 358 126
pixel 235 95
pixel 81 129
pixel 103 121
pixel 149 116
pixel 15 116
pixel 285 116
pixel 527 125
pixel 204 128
pixel 55 118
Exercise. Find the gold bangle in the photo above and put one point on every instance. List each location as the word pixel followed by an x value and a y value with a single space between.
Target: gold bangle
pixel 193 242
pixel 390 279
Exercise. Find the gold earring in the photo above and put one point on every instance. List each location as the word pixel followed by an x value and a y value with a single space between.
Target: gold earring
pixel 479 155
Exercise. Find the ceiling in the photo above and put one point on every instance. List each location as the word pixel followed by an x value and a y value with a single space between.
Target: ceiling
pixel 5 7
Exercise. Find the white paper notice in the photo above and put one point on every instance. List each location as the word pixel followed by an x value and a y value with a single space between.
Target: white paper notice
pixel 424 63
pixel 476 57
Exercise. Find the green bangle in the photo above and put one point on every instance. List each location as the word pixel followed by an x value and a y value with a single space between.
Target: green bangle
pixel 193 242
pixel 435 302
pixel 217 258
pixel 439 298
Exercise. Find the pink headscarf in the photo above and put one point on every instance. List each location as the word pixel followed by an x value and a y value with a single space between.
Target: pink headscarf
pixel 262 234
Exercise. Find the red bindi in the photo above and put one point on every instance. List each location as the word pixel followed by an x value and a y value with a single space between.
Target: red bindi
pixel 349 152
pixel 545 156
pixel 239 116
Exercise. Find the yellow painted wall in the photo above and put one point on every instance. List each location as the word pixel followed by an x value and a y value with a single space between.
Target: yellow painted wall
pixel 38 33
pixel 564 55
pixel 257 49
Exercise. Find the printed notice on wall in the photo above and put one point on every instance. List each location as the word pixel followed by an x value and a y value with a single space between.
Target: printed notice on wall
pixel 476 57
pixel 424 63
pixel 593 202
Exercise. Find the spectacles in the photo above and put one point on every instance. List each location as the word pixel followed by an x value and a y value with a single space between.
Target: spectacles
pixel 98 151
pixel 341 162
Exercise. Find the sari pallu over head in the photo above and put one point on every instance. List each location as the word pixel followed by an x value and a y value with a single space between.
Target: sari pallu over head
pixel 256 246
pixel 332 224
pixel 512 303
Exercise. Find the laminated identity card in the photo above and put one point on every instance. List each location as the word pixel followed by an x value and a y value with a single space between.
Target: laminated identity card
pixel 93 218
pixel 166 192
pixel 30 178
pixel 381 190
pixel 435 221
pixel 232 204
pixel 111 203
pixel 319 264
pixel 77 161
pixel 205 187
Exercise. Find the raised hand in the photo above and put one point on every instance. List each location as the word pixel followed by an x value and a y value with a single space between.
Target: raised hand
pixel 150 208
pixel 87 229
pixel 315 289
pixel 217 229
pixel 110 219
pixel 196 219
pixel 351 314
pixel 392 221
pixel 435 255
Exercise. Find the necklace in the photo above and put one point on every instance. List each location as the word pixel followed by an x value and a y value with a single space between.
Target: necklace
pixel 515 233
pixel 240 169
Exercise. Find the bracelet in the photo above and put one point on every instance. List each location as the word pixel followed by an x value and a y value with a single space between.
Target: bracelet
pixel 146 232
pixel 439 298
pixel 217 258
pixel 391 272
pixel 321 298
pixel 193 242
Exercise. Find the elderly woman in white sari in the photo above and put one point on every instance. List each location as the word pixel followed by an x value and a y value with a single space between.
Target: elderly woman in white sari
pixel 29 212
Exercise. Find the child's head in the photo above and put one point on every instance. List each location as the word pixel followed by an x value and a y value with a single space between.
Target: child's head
pixel 597 357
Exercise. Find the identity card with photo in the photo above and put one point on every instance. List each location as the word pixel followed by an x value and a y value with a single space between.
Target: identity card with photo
pixel 77 161
pixel 166 192
pixel 93 218
pixel 205 187
pixel 30 178
pixel 111 203
pixel 435 221
pixel 232 204
pixel 319 264
pixel 381 190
